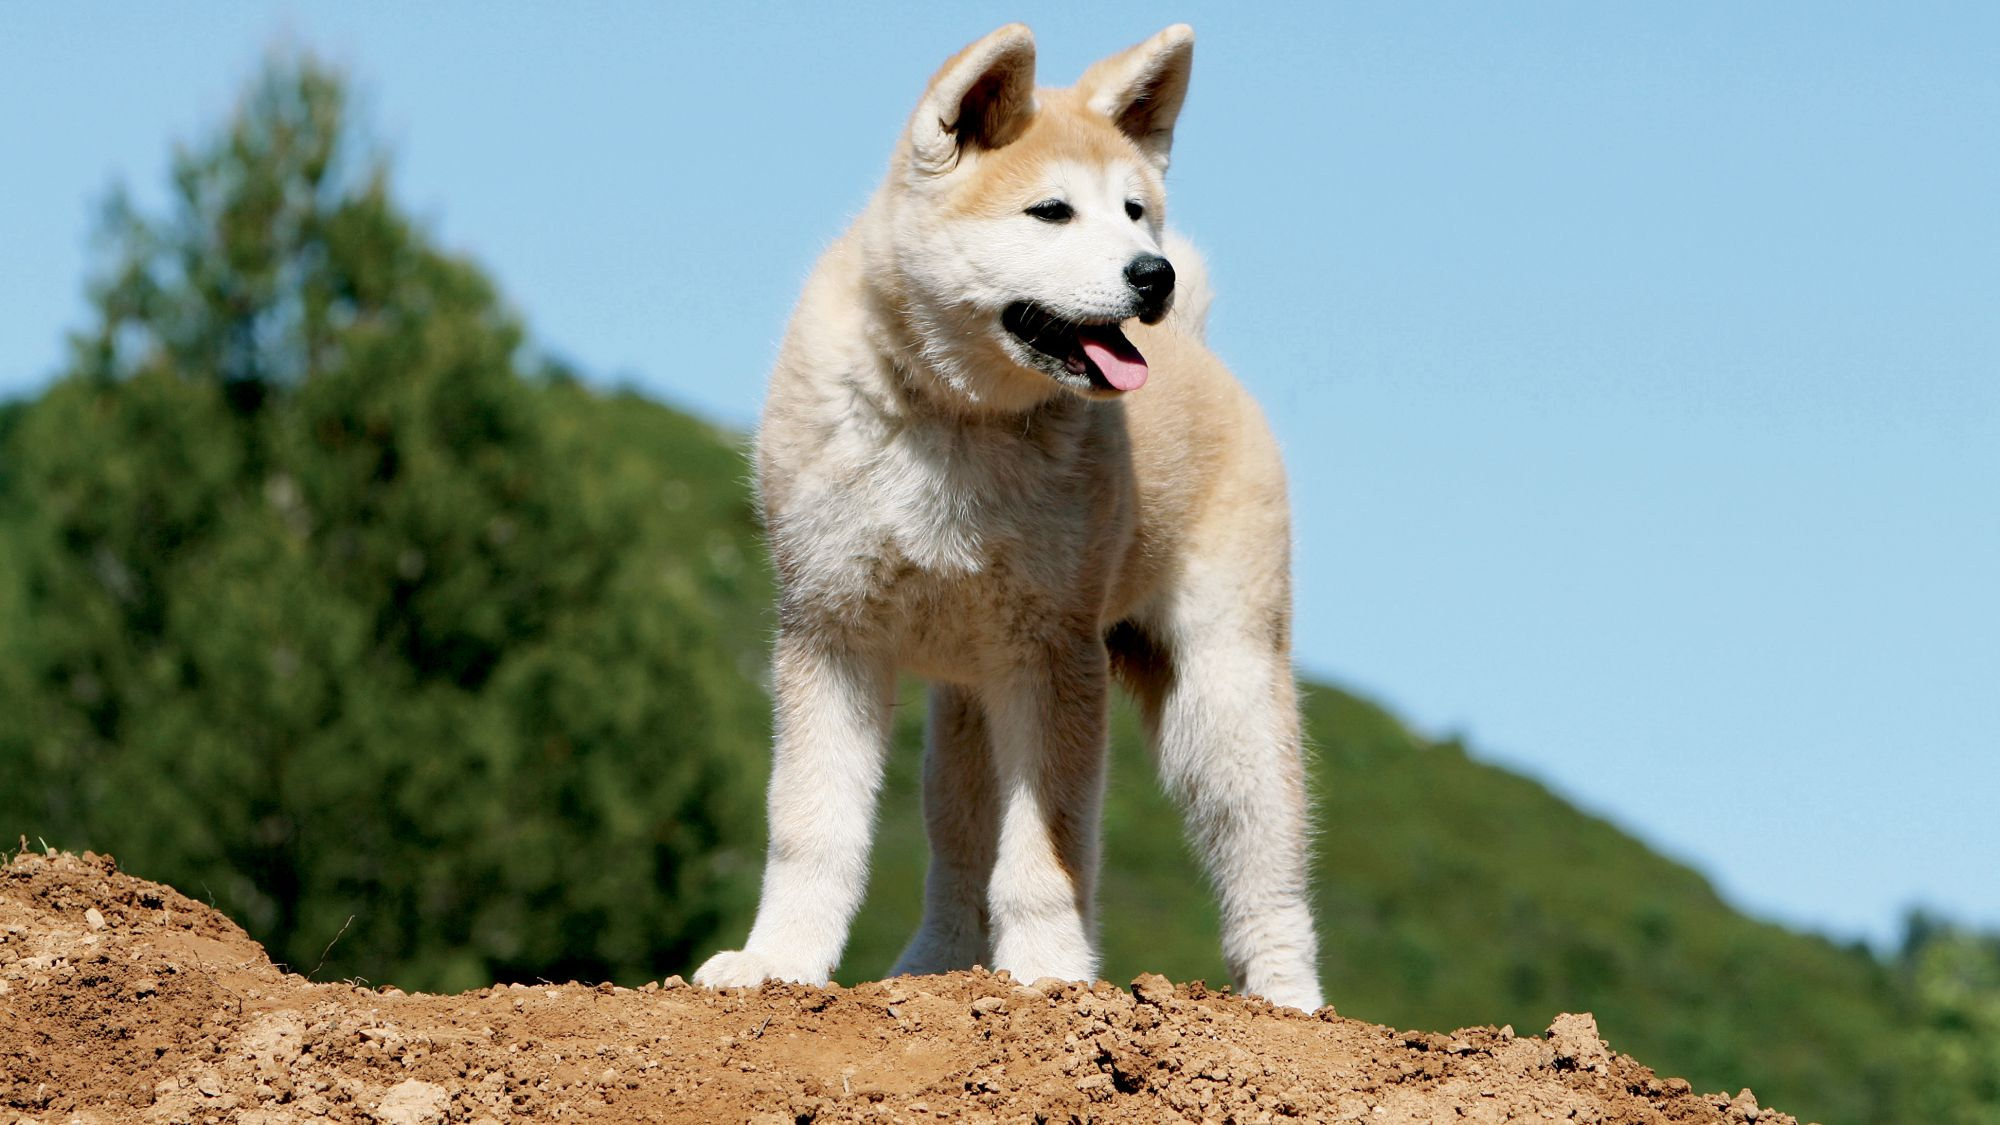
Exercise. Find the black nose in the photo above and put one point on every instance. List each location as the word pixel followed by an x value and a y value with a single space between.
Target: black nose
pixel 1152 276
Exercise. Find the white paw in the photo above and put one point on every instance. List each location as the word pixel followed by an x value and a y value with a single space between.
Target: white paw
pixel 1303 995
pixel 740 968
pixel 1076 963
pixel 1040 933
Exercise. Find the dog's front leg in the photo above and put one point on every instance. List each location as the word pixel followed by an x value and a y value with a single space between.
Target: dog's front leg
pixel 832 730
pixel 1048 726
pixel 1229 750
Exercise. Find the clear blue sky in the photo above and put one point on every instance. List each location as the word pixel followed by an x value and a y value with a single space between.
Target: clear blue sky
pixel 1638 366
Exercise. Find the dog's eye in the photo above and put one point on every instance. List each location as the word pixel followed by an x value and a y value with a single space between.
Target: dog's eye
pixel 1135 210
pixel 1052 211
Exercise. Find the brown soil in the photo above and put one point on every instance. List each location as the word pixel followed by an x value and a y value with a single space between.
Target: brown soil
pixel 122 1001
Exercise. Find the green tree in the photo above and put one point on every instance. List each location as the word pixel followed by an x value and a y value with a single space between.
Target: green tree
pixel 323 596
pixel 1953 977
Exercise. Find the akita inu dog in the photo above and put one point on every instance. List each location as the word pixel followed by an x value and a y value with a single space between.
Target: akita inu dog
pixel 997 453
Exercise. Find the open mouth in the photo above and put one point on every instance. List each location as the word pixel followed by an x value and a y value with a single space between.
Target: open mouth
pixel 1099 353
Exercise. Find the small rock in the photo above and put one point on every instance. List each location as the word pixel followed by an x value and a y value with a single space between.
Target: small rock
pixel 1049 986
pixel 1576 1042
pixel 93 918
pixel 1098 1087
pixel 987 1005
pixel 674 981
pixel 1152 988
pixel 413 1103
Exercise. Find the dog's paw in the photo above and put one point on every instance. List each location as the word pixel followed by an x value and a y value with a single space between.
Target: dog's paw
pixel 1301 994
pixel 740 968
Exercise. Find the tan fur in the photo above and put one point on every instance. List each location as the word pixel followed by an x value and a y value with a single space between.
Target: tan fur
pixel 934 505
pixel 1061 129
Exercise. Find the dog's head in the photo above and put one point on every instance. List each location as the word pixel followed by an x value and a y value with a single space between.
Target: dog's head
pixel 1026 223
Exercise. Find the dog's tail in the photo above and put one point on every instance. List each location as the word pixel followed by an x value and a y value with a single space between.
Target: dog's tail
pixel 1192 295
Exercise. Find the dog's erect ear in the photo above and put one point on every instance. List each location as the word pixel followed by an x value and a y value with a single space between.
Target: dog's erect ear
pixel 1141 89
pixel 982 98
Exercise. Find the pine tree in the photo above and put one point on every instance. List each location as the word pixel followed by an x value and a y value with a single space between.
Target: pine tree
pixel 323 598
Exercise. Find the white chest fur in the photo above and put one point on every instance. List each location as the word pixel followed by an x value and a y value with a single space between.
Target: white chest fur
pixel 949 542
pixel 940 503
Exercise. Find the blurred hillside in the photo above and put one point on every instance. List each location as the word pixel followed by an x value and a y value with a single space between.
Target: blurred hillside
pixel 325 598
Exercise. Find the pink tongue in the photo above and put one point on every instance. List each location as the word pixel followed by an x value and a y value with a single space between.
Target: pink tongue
pixel 1120 363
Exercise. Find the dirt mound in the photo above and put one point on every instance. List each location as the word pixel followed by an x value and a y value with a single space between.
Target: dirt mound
pixel 122 1001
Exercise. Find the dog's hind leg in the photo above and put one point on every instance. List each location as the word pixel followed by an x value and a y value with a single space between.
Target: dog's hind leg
pixel 1221 702
pixel 1048 721
pixel 961 815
